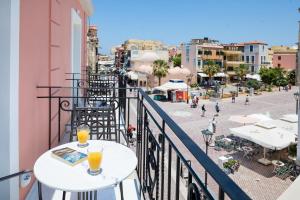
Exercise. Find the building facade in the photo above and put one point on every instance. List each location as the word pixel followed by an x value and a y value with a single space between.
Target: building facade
pixel 196 53
pixel 233 57
pixel 284 57
pixel 39 44
pixel 92 46
pixel 256 55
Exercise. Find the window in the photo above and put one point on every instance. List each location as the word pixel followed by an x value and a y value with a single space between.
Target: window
pixel 187 54
pixel 199 63
pixel 251 48
pixel 247 59
pixel 279 57
pixel 252 59
pixel 278 65
pixel 261 59
pixel 243 58
pixel 200 52
pixel 229 68
pixel 252 69
pixel 224 57
pixel 263 47
pixel 207 53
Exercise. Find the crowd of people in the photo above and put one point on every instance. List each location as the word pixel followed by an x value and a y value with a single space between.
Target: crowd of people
pixel 213 122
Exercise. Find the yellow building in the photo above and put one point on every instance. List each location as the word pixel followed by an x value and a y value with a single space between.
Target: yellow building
pixel 233 57
pixel 134 44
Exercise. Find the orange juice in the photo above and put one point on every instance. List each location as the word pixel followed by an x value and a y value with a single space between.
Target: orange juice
pixel 94 159
pixel 82 136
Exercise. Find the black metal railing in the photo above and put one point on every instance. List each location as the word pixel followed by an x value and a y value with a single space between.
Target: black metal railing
pixel 170 164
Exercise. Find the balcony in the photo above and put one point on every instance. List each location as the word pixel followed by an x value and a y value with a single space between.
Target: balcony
pixel 164 171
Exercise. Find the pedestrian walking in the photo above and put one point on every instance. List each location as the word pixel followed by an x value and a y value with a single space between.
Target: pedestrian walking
pixel 203 110
pixel 247 100
pixel 233 98
pixel 217 109
pixel 214 125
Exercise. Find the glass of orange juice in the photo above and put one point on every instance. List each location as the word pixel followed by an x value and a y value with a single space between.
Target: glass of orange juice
pixel 95 156
pixel 83 133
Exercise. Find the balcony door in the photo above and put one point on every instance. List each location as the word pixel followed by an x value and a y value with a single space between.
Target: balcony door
pixel 76 31
pixel 9 93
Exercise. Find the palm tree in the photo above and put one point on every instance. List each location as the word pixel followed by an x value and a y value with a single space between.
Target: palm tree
pixel 211 68
pixel 241 71
pixel 160 69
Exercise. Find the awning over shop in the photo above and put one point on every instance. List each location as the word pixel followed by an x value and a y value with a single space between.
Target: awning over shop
pixel 173 84
pixel 254 76
pixel 220 74
pixel 202 75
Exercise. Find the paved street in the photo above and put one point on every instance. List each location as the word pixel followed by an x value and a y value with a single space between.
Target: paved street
pixel 256 179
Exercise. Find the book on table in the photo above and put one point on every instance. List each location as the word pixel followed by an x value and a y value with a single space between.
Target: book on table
pixel 69 156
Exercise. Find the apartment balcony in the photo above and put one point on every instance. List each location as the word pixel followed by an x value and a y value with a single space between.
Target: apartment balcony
pixel 234 63
pixel 170 164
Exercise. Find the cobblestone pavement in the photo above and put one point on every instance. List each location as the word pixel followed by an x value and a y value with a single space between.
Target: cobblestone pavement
pixel 257 180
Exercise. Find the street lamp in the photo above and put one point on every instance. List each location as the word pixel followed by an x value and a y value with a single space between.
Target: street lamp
pixel 296 96
pixel 207 136
pixel 189 79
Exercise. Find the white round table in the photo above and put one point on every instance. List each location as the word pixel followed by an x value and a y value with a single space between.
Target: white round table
pixel 118 163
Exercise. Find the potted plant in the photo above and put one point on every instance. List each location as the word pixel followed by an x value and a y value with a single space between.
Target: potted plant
pixel 231 165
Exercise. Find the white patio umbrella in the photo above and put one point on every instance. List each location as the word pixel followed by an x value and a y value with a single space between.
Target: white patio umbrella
pixel 270 138
pixel 283 124
pixel 243 119
pixel 293 118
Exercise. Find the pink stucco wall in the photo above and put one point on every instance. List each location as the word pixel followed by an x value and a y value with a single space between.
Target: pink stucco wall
pixel 287 61
pixel 45 55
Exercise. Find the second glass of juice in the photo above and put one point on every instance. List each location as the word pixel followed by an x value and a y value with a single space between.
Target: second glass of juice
pixel 83 133
pixel 95 156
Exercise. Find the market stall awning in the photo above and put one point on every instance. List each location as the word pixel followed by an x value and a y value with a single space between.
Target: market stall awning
pixel 220 74
pixel 173 84
pixel 202 75
pixel 254 76
pixel 273 138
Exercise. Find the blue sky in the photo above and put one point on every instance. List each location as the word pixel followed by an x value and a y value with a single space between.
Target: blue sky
pixel 177 21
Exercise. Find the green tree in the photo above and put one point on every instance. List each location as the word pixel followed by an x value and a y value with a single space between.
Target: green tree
pixel 177 60
pixel 160 69
pixel 267 75
pixel 273 76
pixel 253 84
pixel 291 76
pixel 211 68
pixel 241 71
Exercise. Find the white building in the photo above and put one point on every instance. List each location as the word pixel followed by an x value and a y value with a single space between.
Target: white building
pixel 256 55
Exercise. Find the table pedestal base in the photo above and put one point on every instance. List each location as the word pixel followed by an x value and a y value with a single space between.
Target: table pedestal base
pixel 264 161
